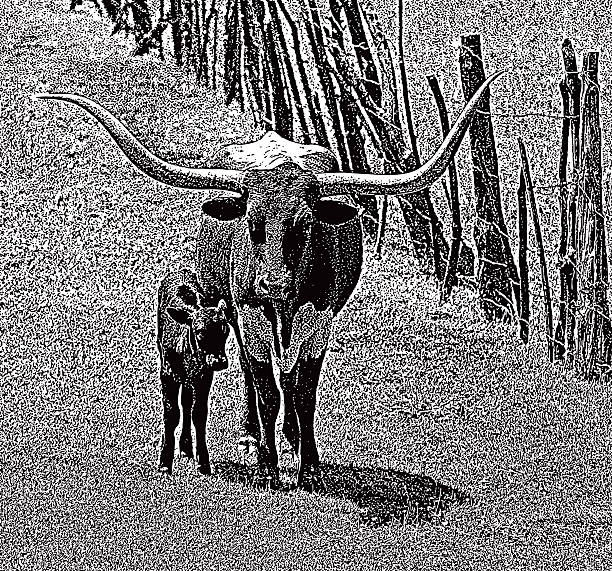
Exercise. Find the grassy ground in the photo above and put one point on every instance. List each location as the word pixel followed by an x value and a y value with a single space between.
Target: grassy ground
pixel 495 459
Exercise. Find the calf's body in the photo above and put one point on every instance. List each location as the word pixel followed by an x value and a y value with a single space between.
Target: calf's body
pixel 191 333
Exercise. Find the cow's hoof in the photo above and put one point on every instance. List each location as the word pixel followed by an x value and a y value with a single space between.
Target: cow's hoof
pixel 266 479
pixel 204 469
pixel 310 479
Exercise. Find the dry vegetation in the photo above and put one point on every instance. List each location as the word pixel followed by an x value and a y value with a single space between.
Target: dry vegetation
pixel 412 393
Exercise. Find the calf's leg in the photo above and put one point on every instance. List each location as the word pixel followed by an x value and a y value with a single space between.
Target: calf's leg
pixel 185 441
pixel 170 389
pixel 290 421
pixel 201 392
pixel 250 434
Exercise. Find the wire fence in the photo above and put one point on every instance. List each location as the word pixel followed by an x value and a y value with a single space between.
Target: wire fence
pixel 332 77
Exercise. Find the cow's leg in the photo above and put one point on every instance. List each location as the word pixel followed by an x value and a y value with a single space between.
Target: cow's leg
pixel 250 433
pixel 185 441
pixel 268 404
pixel 201 392
pixel 305 399
pixel 170 390
pixel 290 420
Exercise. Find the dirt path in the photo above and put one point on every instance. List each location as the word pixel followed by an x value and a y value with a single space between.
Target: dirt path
pixel 418 404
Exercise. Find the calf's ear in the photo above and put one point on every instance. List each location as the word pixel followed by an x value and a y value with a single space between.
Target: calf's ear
pixel 179 314
pixel 224 208
pixel 187 295
pixel 332 211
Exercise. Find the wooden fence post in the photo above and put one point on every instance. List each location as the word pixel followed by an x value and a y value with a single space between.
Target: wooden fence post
pixel 497 273
pixel 593 315
pixel 569 158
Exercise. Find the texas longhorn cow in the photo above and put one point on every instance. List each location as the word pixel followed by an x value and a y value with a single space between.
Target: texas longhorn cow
pixel 286 256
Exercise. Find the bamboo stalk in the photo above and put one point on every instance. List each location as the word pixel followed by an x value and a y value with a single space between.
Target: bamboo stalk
pixel 523 234
pixel 535 217
pixel 450 275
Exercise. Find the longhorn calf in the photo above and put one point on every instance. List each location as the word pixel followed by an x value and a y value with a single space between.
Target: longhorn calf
pixel 286 257
pixel 191 336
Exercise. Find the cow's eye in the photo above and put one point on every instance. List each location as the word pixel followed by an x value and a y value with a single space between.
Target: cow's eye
pixel 257 230
pixel 293 242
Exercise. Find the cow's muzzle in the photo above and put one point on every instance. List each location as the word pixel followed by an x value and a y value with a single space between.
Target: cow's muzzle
pixel 216 362
pixel 278 289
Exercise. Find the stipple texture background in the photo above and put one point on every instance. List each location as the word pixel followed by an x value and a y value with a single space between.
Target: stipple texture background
pixel 429 404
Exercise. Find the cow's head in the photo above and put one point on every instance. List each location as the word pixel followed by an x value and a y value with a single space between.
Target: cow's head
pixel 280 206
pixel 280 202
pixel 206 327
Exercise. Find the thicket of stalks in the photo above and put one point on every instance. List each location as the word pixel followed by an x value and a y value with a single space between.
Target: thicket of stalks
pixel 332 77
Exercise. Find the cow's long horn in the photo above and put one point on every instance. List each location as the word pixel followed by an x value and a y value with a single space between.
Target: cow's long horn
pixel 149 163
pixel 341 183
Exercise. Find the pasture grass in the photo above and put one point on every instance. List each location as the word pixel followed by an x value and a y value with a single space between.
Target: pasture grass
pixel 446 443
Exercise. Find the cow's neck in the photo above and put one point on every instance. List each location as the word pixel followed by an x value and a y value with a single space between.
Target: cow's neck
pixel 309 334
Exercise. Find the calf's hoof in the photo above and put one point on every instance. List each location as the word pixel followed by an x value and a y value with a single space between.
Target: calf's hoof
pixel 248 450
pixel 310 479
pixel 186 448
pixel 165 469
pixel 247 444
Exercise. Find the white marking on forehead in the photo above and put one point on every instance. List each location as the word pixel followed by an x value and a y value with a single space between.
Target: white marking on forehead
pixel 310 333
pixel 272 150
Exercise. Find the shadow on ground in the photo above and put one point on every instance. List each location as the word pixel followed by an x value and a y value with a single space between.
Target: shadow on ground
pixel 382 496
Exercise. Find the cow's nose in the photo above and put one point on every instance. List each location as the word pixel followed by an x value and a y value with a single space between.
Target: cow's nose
pixel 217 362
pixel 274 289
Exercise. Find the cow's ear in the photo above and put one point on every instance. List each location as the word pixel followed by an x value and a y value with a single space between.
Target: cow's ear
pixel 224 208
pixel 179 314
pixel 332 211
pixel 222 309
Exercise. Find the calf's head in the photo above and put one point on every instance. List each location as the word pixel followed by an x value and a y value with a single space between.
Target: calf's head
pixel 206 328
